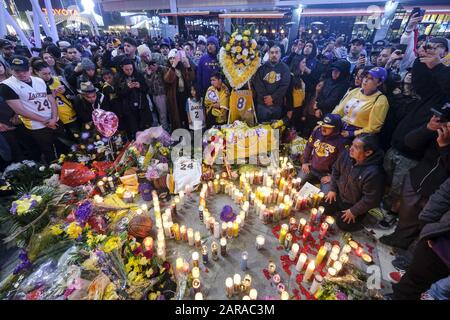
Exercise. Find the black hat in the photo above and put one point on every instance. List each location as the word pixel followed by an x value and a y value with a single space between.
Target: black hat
pixel 5 43
pixel 361 41
pixel 20 63
pixel 131 41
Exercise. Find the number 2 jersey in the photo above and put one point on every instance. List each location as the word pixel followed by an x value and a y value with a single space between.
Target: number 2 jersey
pixel 33 97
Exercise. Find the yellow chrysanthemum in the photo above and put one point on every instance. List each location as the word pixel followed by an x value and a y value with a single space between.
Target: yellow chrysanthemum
pixel 56 229
pixel 245 38
pixel 111 244
pixel 74 230
pixel 228 47
pixel 238 49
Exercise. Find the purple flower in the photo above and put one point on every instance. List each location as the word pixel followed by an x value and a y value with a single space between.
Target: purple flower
pixel 90 147
pixel 83 212
pixel 13 209
pixel 341 296
pixel 85 135
pixel 105 140
pixel 33 204
pixel 24 262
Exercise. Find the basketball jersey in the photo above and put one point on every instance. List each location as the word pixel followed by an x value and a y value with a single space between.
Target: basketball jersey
pixel 65 109
pixel 241 107
pixel 195 110
pixel 33 98
pixel 186 171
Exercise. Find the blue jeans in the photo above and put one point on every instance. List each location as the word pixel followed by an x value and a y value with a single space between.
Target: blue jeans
pixel 268 114
pixel 440 290
pixel 314 176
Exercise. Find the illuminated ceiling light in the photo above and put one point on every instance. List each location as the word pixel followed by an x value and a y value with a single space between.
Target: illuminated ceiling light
pixel 281 31
pixel 265 31
pixel 309 31
pixel 257 30
pixel 320 31
pixel 273 30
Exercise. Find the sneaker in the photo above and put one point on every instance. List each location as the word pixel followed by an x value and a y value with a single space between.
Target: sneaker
pixel 396 276
pixel 426 296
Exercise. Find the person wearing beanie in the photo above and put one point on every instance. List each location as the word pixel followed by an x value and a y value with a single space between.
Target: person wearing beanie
pixel 322 149
pixel 208 65
pixel 130 52
pixel 89 74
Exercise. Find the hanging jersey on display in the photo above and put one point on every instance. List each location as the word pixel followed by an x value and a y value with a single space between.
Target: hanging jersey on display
pixel 33 98
pixel 241 107
pixel 65 109
pixel 186 171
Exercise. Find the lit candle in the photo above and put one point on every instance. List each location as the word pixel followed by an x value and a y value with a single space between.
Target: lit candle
pixel 260 240
pixel 176 231
pixel 199 296
pixel 196 285
pixel 181 195
pixel 200 213
pixel 205 255
pixel 301 225
pixel 284 295
pixel 253 294
pixel 206 218
pixel 292 223
pixel 223 246
pixel 336 249
pixel 111 182
pixel 337 265
pixel 148 244
pixel 320 212
pixel 224 229
pixel 343 258
pixel 216 230
pixel 272 267
pixel 301 262
pixel 294 251
pixel 167 229
pixel 235 229
pixel 195 273
pixel 353 244
pixel 98 199
pixel 332 258
pixel 216 186
pixel 186 267
pixel 212 222
pixel 161 253
pixel 359 251
pixel 247 283
pixel 195 257
pixel 321 254
pixel 229 287
pixel 346 249
pixel 330 221
pixel 283 231
pixel 331 272
pixel 230 229
pixel 309 271
pixel 316 284
pixel 214 250
pixel 190 236
pixel 366 258
pixel 280 288
pixel 244 258
pixel 306 232
pixel 323 230
pixel 276 279
pixel 288 241
pixel 237 283
pixel 197 239
pixel 127 196
pixel 101 186
pixel 179 265
pixel 313 216
pixel 183 233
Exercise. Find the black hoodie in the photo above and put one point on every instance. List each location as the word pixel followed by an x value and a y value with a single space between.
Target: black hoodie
pixel 360 185
pixel 433 87
pixel 333 90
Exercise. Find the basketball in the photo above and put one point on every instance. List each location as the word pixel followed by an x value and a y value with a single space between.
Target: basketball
pixel 140 226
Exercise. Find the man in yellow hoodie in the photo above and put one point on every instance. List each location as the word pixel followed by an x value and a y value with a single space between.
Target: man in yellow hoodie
pixel 217 102
pixel 363 110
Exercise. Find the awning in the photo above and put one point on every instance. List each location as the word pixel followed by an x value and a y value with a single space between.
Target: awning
pixel 185 14
pixel 253 15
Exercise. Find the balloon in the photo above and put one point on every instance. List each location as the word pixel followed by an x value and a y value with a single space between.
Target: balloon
pixel 106 122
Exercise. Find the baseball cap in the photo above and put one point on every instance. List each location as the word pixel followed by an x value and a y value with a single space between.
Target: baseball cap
pixel 378 73
pixel 440 40
pixel 331 121
pixel 361 41
pixel 20 63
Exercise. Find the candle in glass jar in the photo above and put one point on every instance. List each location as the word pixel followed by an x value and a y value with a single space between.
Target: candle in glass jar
pixel 288 241
pixel 161 253
pixel 195 273
pixel 101 186
pixel 306 232
pixel 284 295
pixel 205 255
pixel 294 251
pixel 292 223
pixel 253 294
pixel 186 267
pixel 247 283
pixel 229 288
pixel 346 249
pixel 316 284
pixel 183 233
pixel 301 262
pixel 197 239
pixel 230 229
pixel 272 267
pixel 179 265
pixel 216 230
pixel 331 272
pixel 337 265
pixel 323 230
pixel 224 229
pixel 148 244
pixel 223 246
pixel 176 231
pixel 111 182
pixel 359 251
pixel 244 258
pixel 190 236
pixel 313 216
pixel 127 196
pixel 195 257
pixel 366 258
pixel 331 259
pixel 301 225
pixel 343 258
pixel 321 254
pixel 200 213
pixel 196 285
pixel 235 229
pixel 260 240
pixel 283 231
pixel 336 249
pixel 216 186
pixel 276 279
pixel 309 271
pixel 237 282
pixel 198 296
pixel 330 221
pixel 214 250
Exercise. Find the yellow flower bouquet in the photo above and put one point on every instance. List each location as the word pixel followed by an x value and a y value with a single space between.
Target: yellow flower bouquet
pixel 239 58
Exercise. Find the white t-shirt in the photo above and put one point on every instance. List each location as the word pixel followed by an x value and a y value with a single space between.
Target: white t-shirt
pixel 195 110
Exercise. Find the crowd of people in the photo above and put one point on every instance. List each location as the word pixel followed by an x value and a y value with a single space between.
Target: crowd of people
pixel 376 119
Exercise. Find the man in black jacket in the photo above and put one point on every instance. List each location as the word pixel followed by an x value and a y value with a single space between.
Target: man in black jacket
pixel 271 83
pixel 357 183
pixel 87 101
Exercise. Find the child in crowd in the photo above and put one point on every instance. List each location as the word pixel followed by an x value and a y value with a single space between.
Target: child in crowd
pixel 216 101
pixel 322 149
pixel 195 110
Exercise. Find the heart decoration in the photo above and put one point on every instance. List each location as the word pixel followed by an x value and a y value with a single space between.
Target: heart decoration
pixel 106 122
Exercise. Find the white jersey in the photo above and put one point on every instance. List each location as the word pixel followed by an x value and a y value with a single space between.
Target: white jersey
pixel 186 171
pixel 195 111
pixel 33 98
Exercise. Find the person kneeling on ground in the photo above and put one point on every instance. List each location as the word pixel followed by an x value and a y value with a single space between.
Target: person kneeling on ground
pixel 322 150
pixel 357 183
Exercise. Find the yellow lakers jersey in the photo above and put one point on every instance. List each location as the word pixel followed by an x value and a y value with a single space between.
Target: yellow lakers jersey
pixel 65 109
pixel 241 107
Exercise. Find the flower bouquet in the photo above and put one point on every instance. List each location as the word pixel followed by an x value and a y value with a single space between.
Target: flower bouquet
pixel 239 58
pixel 25 175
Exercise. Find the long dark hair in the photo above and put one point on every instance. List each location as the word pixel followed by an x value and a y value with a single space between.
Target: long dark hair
pixel 58 66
